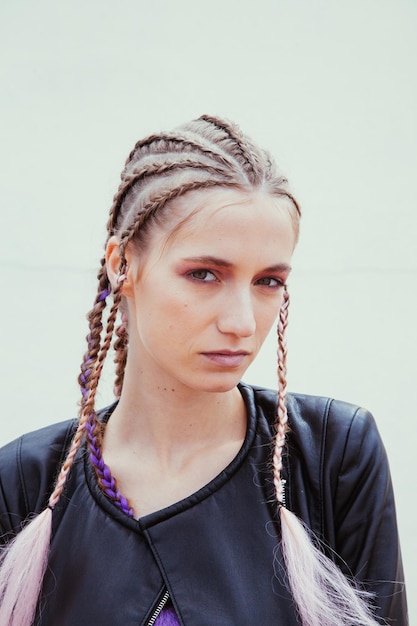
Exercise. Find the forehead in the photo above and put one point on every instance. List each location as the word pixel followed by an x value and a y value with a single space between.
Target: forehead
pixel 228 223
pixel 221 213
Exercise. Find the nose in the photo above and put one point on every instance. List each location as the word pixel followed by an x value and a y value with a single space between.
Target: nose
pixel 237 315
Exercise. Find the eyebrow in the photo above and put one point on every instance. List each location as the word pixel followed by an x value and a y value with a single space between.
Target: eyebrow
pixel 216 262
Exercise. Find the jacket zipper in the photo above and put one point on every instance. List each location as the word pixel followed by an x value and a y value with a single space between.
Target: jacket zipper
pixel 159 607
pixel 283 483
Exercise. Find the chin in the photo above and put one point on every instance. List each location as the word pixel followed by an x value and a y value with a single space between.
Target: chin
pixel 219 384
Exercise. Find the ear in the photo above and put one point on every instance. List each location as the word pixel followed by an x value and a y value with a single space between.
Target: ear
pixel 113 261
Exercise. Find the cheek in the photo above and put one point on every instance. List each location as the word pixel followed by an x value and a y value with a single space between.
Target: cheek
pixel 167 317
pixel 268 317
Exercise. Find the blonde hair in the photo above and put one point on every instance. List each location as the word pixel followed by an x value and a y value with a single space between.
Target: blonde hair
pixel 206 153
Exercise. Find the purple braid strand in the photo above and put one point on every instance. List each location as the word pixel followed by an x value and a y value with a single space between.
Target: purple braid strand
pixel 107 480
pixel 103 295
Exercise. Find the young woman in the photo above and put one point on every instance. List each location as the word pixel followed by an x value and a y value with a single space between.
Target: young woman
pixel 195 499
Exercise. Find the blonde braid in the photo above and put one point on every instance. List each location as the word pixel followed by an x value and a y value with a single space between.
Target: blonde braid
pixel 181 141
pixel 322 594
pixel 95 324
pixel 282 393
pixel 120 347
pixel 91 381
pixel 242 149
pixel 138 174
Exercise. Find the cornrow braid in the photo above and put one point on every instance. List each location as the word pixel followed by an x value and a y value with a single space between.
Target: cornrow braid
pixel 241 147
pixel 140 173
pixel 170 142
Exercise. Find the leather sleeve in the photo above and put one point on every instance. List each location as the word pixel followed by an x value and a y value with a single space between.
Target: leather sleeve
pixel 365 526
pixel 340 485
pixel 28 468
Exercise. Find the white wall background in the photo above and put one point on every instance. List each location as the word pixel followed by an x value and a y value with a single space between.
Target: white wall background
pixel 329 87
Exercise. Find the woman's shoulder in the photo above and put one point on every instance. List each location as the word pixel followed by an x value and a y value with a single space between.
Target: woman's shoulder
pixel 35 447
pixel 28 467
pixel 320 424
pixel 311 410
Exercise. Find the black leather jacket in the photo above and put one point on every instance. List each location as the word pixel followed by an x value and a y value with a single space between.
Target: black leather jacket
pixel 217 552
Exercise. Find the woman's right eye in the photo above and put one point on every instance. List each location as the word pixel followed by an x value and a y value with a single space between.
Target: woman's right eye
pixel 202 276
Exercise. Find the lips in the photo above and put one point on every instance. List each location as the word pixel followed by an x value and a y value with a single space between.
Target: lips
pixel 227 358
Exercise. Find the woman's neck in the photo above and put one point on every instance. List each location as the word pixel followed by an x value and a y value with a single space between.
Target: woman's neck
pixel 163 444
pixel 155 416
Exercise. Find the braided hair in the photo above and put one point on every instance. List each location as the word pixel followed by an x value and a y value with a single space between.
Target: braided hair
pixel 206 153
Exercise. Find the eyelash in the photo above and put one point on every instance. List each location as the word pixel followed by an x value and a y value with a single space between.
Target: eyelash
pixel 278 282
pixel 193 276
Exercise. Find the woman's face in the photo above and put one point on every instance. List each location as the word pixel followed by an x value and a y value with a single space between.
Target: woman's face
pixel 204 299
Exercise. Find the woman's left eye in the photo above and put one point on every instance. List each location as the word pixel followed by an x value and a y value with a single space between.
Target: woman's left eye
pixel 269 281
pixel 203 276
